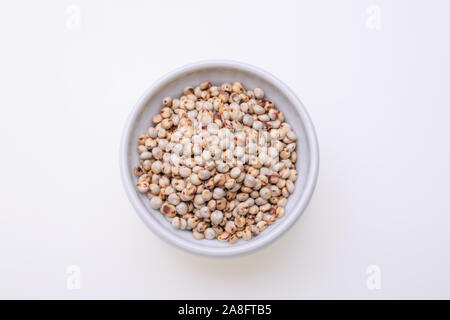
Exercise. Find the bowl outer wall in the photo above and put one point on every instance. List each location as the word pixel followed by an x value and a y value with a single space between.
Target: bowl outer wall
pixel 300 201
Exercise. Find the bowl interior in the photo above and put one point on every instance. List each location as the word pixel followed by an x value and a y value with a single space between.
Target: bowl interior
pixel 173 85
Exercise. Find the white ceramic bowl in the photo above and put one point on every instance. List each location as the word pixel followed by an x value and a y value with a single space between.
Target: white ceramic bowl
pixel 219 71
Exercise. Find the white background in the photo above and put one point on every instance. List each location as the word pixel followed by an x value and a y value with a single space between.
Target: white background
pixel 379 98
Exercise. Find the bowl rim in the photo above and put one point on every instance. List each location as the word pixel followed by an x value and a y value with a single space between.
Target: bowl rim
pixel 249 247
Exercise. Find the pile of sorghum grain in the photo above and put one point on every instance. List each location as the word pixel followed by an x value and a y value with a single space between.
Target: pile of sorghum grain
pixel 219 161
